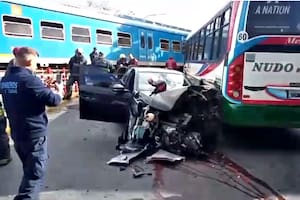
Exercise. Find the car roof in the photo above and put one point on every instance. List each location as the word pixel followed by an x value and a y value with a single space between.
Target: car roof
pixel 156 69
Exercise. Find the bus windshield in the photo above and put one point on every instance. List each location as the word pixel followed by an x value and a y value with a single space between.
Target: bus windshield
pixel 273 18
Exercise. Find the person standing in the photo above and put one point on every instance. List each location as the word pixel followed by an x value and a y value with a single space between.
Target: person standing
pixel 75 61
pixel 25 98
pixel 122 62
pixel 171 63
pixel 94 55
pixel 132 60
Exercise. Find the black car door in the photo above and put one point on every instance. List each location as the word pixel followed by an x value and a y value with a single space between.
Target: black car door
pixel 102 96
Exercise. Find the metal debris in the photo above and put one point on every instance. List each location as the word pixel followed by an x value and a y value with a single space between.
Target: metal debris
pixel 162 155
pixel 139 171
pixel 125 158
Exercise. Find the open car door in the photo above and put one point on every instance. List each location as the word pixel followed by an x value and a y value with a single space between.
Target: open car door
pixel 102 97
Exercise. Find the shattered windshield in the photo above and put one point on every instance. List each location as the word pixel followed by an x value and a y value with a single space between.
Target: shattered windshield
pixel 172 80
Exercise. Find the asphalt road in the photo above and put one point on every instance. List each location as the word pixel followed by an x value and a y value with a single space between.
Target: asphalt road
pixel 249 164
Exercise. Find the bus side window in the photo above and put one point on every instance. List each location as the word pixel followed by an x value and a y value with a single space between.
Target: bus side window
pixel 208 45
pixel 189 49
pixel 216 43
pixel 201 45
pixel 225 31
pixel 224 39
pixel 195 47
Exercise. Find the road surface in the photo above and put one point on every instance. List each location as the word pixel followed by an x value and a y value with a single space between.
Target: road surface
pixel 79 150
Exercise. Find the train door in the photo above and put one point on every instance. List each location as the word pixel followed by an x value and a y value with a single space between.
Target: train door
pixel 142 45
pixel 150 47
pixel 146 46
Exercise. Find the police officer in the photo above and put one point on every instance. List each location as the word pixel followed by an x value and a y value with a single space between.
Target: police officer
pixel 24 99
pixel 122 62
pixel 75 61
pixel 94 55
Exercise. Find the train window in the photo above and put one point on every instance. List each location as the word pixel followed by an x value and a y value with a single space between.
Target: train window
pixel 124 39
pixel 164 45
pixel 17 26
pixel 52 30
pixel 150 42
pixel 81 34
pixel 143 40
pixel 104 37
pixel 176 46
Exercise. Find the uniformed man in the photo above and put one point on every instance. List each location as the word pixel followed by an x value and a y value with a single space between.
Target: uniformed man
pixel 75 61
pixel 122 62
pixel 24 98
pixel 94 55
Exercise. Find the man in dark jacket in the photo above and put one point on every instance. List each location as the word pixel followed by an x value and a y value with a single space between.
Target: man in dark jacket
pixel 74 64
pixel 122 62
pixel 102 62
pixel 24 98
pixel 94 55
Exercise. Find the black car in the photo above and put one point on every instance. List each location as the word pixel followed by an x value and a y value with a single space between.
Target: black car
pixel 105 97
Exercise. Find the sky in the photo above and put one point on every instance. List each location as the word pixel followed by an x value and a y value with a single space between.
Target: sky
pixel 190 14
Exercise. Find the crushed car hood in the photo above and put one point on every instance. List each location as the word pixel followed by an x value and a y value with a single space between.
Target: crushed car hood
pixel 164 101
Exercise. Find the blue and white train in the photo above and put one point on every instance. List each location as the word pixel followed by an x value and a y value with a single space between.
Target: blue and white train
pixel 57 30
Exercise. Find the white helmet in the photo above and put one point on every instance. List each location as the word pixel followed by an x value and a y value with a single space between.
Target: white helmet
pixel 122 55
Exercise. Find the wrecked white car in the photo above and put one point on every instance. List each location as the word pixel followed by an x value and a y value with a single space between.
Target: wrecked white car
pixel 168 113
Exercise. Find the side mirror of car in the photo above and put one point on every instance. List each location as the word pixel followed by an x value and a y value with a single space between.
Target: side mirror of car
pixel 119 88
